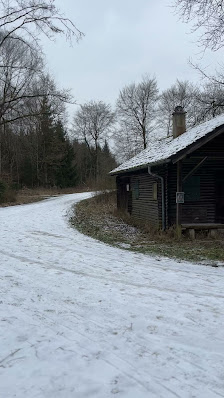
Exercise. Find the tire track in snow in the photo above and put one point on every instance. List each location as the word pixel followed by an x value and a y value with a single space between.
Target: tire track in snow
pixel 48 265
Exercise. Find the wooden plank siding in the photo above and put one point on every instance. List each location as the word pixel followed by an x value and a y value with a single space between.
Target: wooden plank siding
pixel 144 208
pixel 203 210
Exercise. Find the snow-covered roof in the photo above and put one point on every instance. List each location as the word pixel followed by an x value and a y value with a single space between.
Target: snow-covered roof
pixel 162 150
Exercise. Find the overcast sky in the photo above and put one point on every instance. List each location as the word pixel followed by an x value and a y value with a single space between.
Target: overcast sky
pixel 124 40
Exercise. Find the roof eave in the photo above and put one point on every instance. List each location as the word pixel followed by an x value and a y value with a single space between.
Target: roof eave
pixel 141 167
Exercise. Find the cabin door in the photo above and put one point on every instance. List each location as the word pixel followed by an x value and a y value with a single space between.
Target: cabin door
pixel 124 197
pixel 219 189
pixel 124 192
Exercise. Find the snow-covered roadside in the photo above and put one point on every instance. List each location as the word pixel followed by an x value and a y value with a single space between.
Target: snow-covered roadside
pixel 79 318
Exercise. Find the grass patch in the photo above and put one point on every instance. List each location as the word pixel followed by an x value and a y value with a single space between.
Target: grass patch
pixel 26 195
pixel 7 193
pixel 98 217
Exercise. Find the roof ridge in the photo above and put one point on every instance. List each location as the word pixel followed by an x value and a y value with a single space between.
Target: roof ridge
pixel 162 150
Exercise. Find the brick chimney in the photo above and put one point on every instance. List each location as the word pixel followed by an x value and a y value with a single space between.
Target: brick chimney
pixel 179 121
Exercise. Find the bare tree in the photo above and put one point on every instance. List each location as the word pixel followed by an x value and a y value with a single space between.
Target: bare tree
pixel 126 145
pixel 207 15
pixel 26 19
pixel 20 68
pixel 22 80
pixel 201 104
pixel 23 85
pixel 135 109
pixel 211 101
pixel 21 23
pixel 92 124
pixel 182 93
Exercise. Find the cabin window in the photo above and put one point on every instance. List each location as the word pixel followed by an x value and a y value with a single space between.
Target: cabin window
pixel 136 190
pixel 155 191
pixel 191 188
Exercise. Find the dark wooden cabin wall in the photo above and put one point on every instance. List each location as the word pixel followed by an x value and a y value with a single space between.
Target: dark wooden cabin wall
pixel 123 196
pixel 199 211
pixel 162 171
pixel 145 209
pixel 204 210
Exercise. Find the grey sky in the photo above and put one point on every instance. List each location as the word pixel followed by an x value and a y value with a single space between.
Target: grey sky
pixel 124 39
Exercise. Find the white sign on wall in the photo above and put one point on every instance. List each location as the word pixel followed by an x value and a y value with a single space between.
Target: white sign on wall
pixel 179 197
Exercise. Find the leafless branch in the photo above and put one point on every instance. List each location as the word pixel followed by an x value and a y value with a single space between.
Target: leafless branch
pixel 208 18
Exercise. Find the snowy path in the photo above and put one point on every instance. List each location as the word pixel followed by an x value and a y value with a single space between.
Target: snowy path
pixel 82 319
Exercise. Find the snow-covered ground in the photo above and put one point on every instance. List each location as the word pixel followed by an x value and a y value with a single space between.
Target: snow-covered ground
pixel 79 318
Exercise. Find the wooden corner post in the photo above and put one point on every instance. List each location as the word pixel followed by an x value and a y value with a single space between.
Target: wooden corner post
pixel 179 198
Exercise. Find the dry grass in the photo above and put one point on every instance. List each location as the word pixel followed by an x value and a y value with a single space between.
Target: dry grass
pixel 98 217
pixel 26 195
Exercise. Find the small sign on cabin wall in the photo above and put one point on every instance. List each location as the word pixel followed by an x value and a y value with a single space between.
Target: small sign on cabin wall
pixel 179 197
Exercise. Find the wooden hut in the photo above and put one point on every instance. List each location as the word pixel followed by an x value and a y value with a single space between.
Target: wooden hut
pixel 177 180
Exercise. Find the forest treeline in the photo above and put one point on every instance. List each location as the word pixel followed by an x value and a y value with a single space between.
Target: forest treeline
pixel 43 155
pixel 38 148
